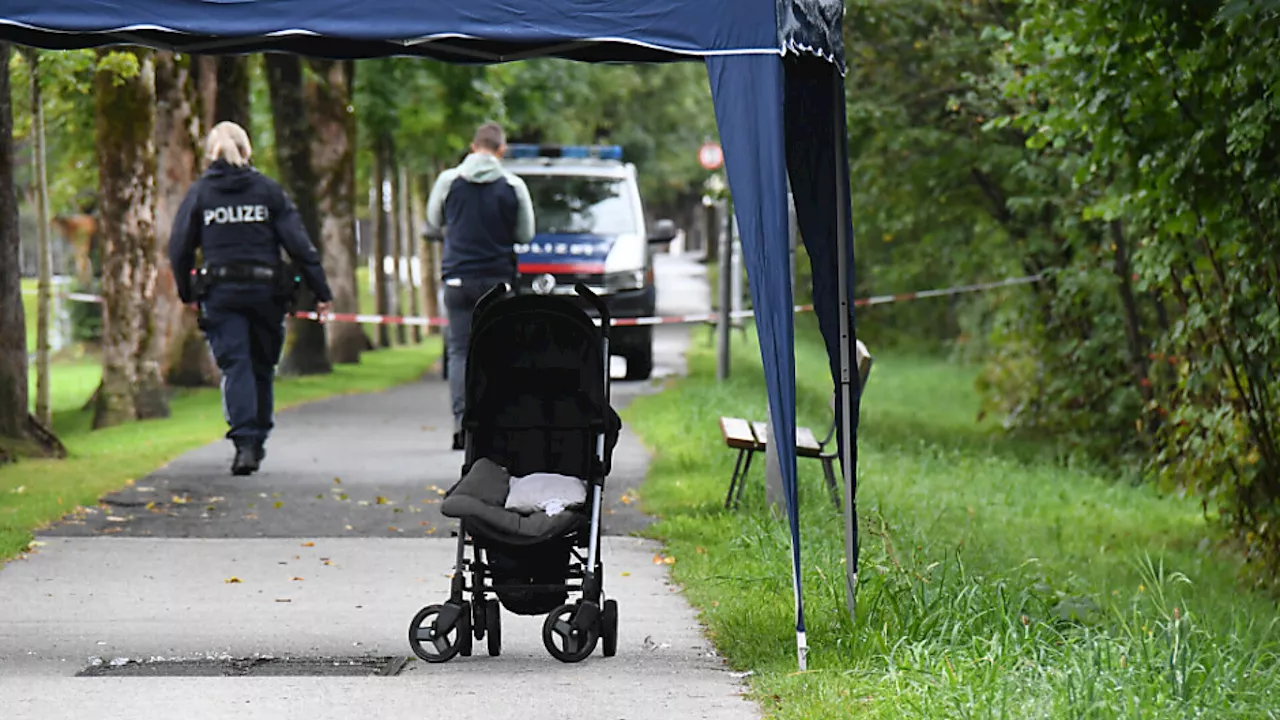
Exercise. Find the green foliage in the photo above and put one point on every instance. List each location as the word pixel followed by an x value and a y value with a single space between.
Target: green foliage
pixel 1126 150
pixel 66 84
pixel 660 114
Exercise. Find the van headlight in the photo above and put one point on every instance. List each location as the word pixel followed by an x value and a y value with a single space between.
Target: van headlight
pixel 625 280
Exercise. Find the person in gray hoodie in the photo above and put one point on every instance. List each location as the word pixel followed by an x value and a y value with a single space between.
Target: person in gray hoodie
pixel 484 211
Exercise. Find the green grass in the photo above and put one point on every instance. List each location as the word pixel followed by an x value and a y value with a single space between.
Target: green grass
pixel 34 493
pixel 998 579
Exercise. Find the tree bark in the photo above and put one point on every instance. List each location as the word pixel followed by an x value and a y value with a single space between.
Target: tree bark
pixel 232 91
pixel 204 78
pixel 306 349
pixel 1129 303
pixel 399 248
pixel 132 328
pixel 187 360
pixel 382 241
pixel 411 247
pixel 427 251
pixel 13 332
pixel 43 412
pixel 329 101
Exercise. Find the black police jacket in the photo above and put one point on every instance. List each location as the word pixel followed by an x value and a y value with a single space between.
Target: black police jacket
pixel 238 216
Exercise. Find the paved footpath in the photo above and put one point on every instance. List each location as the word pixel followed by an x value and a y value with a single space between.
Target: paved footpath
pixel 322 559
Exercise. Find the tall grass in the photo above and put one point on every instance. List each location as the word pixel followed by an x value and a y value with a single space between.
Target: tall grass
pixel 998 578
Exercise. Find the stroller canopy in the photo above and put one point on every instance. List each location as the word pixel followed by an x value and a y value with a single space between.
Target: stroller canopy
pixel 774 66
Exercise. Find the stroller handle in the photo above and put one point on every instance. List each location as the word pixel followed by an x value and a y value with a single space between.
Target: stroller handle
pixel 585 292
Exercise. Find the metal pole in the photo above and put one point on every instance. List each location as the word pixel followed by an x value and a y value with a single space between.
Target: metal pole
pixel 846 331
pixel 726 285
pixel 736 245
pixel 793 233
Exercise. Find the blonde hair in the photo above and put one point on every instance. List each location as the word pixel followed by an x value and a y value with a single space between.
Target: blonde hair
pixel 228 141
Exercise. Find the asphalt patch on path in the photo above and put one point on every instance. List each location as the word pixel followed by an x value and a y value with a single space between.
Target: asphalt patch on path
pixel 250 667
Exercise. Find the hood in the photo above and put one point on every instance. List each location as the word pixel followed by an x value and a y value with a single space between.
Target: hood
pixel 480 168
pixel 228 178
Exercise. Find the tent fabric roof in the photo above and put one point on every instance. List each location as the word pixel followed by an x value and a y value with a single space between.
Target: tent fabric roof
pixel 620 31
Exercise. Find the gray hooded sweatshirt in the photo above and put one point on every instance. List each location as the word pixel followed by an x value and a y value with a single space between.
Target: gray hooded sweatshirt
pixel 485 211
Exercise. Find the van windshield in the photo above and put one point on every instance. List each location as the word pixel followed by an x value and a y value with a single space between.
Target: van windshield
pixel 576 205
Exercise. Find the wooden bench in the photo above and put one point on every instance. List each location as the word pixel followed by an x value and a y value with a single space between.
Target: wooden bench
pixel 749 438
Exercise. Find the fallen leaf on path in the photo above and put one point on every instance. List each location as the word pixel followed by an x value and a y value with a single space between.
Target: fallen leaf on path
pixel 439 491
pixel 349 527
pixel 382 501
pixel 179 499
pixel 668 560
pixel 116 518
pixel 279 504
pixel 337 481
pixel 363 502
pixel 283 600
pixel 308 544
pixel 297 579
pixel 232 580
pixel 430 501
pixel 152 506
pixel 626 574
pixel 393 528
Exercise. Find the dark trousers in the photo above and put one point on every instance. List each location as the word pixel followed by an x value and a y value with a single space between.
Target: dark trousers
pixel 244 324
pixel 460 300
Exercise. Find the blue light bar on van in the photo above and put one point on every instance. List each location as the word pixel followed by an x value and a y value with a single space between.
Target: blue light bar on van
pixel 602 152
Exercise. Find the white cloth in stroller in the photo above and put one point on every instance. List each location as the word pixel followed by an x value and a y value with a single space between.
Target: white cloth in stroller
pixel 550 493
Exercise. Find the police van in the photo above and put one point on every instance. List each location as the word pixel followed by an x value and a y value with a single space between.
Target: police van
pixel 591 229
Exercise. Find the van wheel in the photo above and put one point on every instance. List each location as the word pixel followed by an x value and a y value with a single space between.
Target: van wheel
pixel 639 364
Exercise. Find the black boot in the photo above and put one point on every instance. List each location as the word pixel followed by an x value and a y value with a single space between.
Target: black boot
pixel 458 441
pixel 246 461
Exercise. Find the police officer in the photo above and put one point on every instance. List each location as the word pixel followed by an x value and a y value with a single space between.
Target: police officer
pixel 240 219
pixel 484 211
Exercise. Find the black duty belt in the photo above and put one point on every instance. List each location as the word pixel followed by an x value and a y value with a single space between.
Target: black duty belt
pixel 240 273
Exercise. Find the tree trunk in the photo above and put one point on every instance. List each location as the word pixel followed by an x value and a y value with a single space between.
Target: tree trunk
pixel 306 349
pixel 427 251
pixel 410 247
pixel 188 361
pixel 232 91
pixel 204 78
pixel 13 333
pixel 43 412
pixel 400 248
pixel 1129 303
pixel 329 98
pixel 132 325
pixel 382 240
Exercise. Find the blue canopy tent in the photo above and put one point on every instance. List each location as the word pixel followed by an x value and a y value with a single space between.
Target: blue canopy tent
pixel 775 68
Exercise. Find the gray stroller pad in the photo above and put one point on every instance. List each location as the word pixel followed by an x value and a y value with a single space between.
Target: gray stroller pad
pixel 480 498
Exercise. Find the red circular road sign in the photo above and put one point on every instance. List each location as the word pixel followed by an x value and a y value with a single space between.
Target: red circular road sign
pixel 711 156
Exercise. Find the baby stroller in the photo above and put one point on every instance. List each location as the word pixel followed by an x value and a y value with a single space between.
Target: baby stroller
pixel 537 391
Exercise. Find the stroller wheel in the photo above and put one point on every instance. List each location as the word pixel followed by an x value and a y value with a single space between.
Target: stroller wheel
pixel 493 626
pixel 437 631
pixel 609 628
pixel 566 641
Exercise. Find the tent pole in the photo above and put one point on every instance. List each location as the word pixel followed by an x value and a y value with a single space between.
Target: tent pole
pixel 725 288
pixel 846 394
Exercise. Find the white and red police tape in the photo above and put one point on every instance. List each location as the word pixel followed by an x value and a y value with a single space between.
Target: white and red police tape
pixel 712 317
